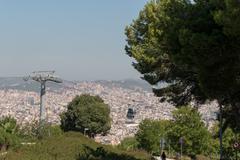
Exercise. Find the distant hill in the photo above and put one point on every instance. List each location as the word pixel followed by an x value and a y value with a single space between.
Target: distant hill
pixel 19 84
pixel 128 84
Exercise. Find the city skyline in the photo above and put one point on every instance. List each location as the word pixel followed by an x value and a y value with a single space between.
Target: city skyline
pixel 80 40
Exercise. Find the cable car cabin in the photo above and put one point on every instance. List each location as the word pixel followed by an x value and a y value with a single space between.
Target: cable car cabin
pixel 131 113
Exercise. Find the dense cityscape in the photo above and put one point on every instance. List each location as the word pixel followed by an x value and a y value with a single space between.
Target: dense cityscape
pixel 24 106
pixel 120 80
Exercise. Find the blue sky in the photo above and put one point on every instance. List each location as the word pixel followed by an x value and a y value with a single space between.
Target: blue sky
pixel 80 39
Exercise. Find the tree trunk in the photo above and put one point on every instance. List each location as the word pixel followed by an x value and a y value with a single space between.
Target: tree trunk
pixel 220 132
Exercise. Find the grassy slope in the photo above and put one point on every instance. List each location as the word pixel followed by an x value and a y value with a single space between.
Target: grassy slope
pixel 65 147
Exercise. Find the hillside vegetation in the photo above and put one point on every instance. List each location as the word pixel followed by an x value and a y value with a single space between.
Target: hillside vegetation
pixel 72 146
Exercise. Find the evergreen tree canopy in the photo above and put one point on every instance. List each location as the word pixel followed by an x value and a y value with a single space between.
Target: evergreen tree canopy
pixel 194 46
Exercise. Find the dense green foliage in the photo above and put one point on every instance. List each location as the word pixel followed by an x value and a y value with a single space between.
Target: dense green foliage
pixel 69 146
pixel 102 154
pixel 49 131
pixel 194 46
pixel 229 138
pixel 9 133
pixel 149 134
pixel 187 124
pixel 128 144
pixel 87 114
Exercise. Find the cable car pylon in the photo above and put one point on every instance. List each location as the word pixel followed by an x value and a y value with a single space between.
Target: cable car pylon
pixel 42 77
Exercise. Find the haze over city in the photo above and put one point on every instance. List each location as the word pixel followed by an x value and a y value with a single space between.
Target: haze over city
pixel 81 40
pixel 120 80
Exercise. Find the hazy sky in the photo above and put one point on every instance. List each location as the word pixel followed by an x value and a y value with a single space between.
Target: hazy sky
pixel 80 39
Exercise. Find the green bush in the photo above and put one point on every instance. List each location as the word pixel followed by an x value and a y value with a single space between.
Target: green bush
pixel 32 131
pixel 87 114
pixel 129 143
pixel 49 131
pixel 229 137
pixel 149 134
pixel 188 126
pixel 9 133
pixel 102 154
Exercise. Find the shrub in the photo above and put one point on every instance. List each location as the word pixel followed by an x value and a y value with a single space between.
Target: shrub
pixel 129 143
pixel 49 131
pixel 87 114
pixel 188 127
pixel 149 134
pixel 9 133
pixel 102 154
